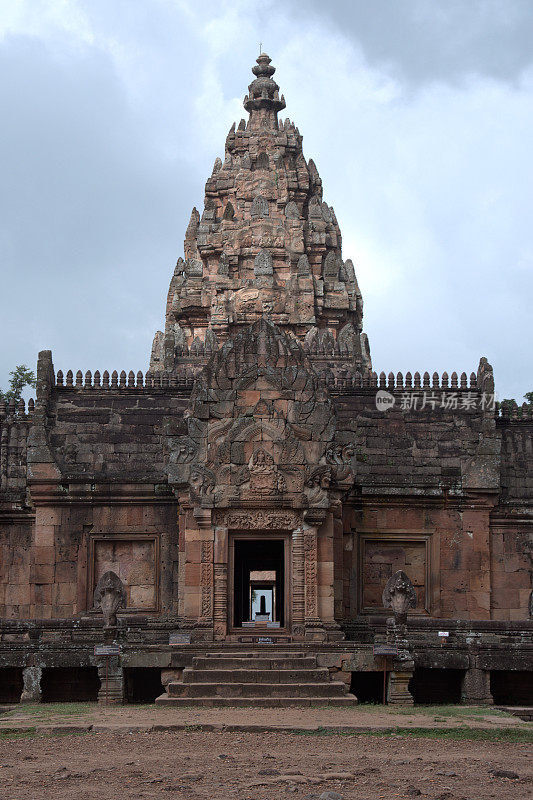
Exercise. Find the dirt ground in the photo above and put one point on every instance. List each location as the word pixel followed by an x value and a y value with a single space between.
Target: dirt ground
pixel 128 718
pixel 261 766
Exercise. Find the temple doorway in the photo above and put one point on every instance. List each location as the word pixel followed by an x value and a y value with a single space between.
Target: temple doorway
pixel 259 582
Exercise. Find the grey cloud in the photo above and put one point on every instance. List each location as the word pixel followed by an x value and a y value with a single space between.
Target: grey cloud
pixel 425 40
pixel 92 212
pixel 107 142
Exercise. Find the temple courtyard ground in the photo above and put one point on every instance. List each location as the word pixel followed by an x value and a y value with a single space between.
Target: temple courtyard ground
pixel 372 752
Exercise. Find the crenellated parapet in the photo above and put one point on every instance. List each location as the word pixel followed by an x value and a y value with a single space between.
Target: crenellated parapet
pixel 399 382
pixel 123 380
pixel 15 422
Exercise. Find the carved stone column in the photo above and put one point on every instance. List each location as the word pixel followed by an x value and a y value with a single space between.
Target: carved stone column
pixel 111 676
pixel 206 579
pixel 311 577
pixel 298 582
pixel 476 688
pixel 31 692
pixel 220 613
pixel 398 688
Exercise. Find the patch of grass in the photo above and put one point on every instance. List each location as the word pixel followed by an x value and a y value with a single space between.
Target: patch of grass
pixel 464 733
pixel 33 733
pixel 50 709
pixel 455 711
pixel 10 735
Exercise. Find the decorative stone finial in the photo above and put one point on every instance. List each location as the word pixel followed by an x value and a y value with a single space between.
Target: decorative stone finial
pixel 263 101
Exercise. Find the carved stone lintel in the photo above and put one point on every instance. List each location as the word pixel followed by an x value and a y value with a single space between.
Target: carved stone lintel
pixel 202 517
pixel 256 519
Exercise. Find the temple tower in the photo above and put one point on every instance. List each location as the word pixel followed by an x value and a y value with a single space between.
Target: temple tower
pixel 265 245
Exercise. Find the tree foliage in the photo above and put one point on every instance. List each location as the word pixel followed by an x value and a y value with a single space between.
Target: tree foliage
pixel 509 403
pixel 19 378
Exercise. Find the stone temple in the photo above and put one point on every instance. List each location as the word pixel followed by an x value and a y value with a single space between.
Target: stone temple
pixel 261 518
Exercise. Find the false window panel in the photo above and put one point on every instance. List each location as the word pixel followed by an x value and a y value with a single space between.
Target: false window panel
pixel 135 560
pixel 383 555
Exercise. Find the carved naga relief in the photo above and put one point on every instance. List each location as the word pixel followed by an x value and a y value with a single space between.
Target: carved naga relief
pixel 109 596
pixel 260 426
pixel 399 594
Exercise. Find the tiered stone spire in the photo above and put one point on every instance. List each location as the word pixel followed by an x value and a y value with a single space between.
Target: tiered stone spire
pixel 262 101
pixel 266 245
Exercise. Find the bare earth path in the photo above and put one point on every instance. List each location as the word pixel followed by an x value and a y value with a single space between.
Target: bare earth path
pixel 363 717
pixel 389 754
pixel 261 766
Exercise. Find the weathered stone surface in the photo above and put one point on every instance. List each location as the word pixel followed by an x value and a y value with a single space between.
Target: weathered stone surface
pixel 259 419
pixel 263 218
pixel 399 594
pixel 109 596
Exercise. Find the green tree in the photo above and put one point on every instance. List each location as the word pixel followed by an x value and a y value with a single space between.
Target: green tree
pixel 19 378
pixel 509 403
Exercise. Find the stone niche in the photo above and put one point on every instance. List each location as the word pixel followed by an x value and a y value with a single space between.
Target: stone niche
pixel 381 557
pixel 135 560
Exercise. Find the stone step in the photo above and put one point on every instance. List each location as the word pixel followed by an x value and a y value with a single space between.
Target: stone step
pixel 195 675
pixel 256 702
pixel 205 690
pixel 266 651
pixel 245 662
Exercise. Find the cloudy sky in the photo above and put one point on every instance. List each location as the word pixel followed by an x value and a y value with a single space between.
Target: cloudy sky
pixel 419 115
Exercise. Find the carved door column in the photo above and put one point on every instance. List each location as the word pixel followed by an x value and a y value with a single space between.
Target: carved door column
pixel 298 582
pixel 206 578
pixel 221 582
pixel 311 575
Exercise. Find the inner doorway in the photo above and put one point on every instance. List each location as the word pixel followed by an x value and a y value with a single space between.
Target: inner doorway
pixel 258 583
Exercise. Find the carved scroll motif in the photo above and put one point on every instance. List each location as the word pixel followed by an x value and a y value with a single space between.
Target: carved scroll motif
pixel 256 519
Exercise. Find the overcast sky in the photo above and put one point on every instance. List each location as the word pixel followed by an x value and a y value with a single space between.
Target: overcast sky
pixel 418 114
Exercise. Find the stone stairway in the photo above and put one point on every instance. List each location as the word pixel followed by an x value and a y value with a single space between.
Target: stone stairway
pixel 256 679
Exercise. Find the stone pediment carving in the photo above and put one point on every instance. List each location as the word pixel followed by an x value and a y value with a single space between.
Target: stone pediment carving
pixel 260 425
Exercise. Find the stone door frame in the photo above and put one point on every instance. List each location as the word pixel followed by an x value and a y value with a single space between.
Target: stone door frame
pixel 259 536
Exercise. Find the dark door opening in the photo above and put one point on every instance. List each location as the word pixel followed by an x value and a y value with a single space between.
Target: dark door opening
pixel 142 684
pixel 512 688
pixel 70 684
pixel 259 582
pixel 436 686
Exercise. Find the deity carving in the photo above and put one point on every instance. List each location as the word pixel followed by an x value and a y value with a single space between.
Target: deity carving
pixel 265 479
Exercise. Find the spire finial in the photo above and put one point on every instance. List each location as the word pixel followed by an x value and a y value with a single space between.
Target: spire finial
pixel 263 92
